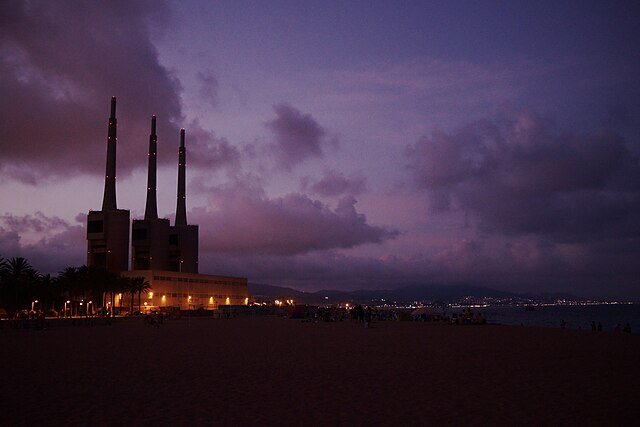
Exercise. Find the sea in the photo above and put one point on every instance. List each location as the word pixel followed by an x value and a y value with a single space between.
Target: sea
pixel 574 316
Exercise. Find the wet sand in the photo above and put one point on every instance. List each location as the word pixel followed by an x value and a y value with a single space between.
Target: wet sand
pixel 275 371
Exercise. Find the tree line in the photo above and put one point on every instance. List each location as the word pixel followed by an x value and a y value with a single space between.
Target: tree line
pixel 21 286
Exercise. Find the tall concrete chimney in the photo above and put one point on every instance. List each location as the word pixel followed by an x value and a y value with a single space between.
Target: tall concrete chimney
pixel 181 208
pixel 151 210
pixel 109 200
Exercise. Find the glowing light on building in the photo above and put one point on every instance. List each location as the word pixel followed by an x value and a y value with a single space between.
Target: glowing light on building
pixel 227 301
pixel 150 295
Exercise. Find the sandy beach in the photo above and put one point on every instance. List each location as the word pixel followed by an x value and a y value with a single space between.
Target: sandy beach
pixel 276 371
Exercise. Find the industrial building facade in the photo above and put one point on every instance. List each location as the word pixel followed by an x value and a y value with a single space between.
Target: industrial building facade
pixel 165 255
pixel 186 291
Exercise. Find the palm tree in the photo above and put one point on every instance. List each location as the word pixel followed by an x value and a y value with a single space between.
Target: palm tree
pixel 49 291
pixel 116 284
pixel 19 280
pixel 100 283
pixel 130 289
pixel 139 285
pixel 69 281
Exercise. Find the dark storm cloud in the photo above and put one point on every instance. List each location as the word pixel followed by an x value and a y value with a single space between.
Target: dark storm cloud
pixel 524 176
pixel 297 136
pixel 60 63
pixel 252 223
pixel 335 183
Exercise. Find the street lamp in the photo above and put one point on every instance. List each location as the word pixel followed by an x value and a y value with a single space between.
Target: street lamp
pixel 65 307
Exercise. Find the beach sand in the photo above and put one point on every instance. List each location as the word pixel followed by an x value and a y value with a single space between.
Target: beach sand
pixel 276 371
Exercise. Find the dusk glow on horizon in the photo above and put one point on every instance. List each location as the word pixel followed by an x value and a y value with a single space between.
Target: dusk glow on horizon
pixel 336 145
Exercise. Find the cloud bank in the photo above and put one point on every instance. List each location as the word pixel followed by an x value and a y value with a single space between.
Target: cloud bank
pixel 246 221
pixel 61 62
pixel 524 176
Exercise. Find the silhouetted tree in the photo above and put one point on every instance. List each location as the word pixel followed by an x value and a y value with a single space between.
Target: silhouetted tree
pixel 69 281
pixel 139 285
pixel 19 280
pixel 48 292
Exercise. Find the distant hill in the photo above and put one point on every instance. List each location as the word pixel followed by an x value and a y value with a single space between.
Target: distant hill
pixel 404 294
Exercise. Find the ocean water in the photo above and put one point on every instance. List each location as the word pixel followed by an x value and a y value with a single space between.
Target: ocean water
pixel 576 317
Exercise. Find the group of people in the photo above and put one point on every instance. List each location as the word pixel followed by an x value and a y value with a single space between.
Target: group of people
pixel 154 319
pixel 361 314
pixel 468 318
pixel 626 329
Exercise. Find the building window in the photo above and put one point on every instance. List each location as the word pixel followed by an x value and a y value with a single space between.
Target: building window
pixel 95 226
pixel 139 234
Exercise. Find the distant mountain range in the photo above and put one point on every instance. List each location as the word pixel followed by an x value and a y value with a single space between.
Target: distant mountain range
pixel 443 293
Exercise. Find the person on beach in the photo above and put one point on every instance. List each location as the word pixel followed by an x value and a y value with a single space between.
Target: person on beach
pixel 367 317
pixel 563 324
pixel 627 328
pixel 360 313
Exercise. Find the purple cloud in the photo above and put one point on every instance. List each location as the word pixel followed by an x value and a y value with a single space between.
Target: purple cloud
pixel 525 176
pixel 208 87
pixel 250 222
pixel 49 243
pixel 297 136
pixel 206 151
pixel 335 183
pixel 60 63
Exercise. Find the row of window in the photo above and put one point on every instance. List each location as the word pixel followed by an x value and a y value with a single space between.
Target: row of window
pixel 193 280
pixel 183 295
pixel 141 234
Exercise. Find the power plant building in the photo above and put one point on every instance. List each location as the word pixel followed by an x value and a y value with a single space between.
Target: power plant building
pixel 166 256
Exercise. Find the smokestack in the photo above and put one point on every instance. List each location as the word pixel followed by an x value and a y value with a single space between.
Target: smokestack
pixel 109 199
pixel 151 210
pixel 181 209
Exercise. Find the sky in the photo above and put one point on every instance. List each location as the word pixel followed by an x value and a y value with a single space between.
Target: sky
pixel 337 145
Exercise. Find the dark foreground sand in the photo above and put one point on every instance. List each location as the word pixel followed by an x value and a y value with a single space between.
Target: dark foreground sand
pixel 274 371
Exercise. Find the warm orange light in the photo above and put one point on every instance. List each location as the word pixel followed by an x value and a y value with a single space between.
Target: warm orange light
pixel 210 300
pixel 246 301
pixel 150 295
pixel 227 301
